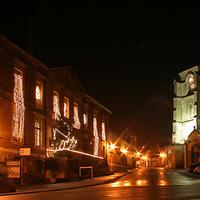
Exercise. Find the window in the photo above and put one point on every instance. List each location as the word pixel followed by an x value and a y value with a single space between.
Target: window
pixel 56 110
pixel 39 94
pixel 38 133
pixel 85 119
pixel 77 123
pixel 85 115
pixel 66 107
pixel 19 108
pixel 191 81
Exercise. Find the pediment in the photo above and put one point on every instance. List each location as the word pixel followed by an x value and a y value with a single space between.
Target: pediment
pixel 194 135
pixel 67 77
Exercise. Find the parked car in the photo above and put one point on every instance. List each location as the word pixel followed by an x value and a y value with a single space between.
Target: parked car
pixel 196 170
pixel 193 166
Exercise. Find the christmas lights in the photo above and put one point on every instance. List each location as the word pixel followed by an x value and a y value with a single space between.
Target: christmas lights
pixel 68 143
pixel 73 151
pixel 56 109
pixel 18 116
pixel 96 137
pixel 77 123
pixel 103 131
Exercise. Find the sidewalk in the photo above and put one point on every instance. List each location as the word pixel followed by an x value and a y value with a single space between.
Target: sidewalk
pixel 66 185
pixel 186 173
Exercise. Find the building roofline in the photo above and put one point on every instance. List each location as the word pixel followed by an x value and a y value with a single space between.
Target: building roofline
pixel 99 104
pixel 189 69
pixel 37 63
pixel 69 67
pixel 11 45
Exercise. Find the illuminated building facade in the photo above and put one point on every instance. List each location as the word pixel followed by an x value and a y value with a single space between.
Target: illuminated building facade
pixel 48 112
pixel 186 103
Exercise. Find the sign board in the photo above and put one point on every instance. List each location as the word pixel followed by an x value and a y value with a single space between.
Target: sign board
pixel 25 151
pixel 13 163
pixel 13 169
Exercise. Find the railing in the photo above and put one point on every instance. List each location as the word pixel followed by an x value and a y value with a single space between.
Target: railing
pixel 87 167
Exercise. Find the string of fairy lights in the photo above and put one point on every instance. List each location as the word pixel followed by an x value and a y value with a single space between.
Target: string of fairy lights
pixel 18 116
pixel 103 131
pixel 96 137
pixel 77 123
pixel 56 109
pixel 68 142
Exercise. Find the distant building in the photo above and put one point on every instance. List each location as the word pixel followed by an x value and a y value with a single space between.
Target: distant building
pixel 47 120
pixel 186 112
pixel 192 149
pixel 121 151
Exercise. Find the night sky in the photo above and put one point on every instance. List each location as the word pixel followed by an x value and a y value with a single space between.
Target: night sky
pixel 126 59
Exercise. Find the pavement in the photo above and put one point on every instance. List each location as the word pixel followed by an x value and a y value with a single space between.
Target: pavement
pixel 186 173
pixel 66 185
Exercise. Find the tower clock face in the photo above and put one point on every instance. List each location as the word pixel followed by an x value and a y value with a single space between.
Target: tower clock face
pixel 191 81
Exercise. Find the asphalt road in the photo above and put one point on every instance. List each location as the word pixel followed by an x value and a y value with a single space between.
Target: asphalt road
pixel 144 183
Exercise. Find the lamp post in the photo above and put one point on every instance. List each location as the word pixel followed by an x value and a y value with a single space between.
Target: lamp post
pixel 163 156
pixel 111 149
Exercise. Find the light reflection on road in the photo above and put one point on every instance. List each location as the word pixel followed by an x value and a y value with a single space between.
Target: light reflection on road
pixel 143 178
pixel 142 184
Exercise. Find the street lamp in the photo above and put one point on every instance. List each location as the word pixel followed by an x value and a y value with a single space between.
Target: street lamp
pixel 123 150
pixel 163 155
pixel 112 147
pixel 138 154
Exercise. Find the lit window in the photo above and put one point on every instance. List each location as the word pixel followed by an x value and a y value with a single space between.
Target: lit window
pixel 19 108
pixel 37 93
pixel 38 133
pixel 103 131
pixel 96 136
pixel 66 107
pixel 56 110
pixel 191 81
pixel 84 119
pixel 77 123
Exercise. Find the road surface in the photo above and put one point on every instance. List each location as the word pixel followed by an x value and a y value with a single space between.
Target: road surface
pixel 143 183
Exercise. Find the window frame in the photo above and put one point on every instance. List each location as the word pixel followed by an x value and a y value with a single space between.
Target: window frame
pixel 38 129
pixel 67 112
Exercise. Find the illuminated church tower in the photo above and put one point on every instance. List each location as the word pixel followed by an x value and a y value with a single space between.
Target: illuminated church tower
pixel 186 103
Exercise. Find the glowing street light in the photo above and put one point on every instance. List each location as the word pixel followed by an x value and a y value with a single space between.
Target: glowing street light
pixel 138 154
pixel 112 146
pixel 145 158
pixel 163 155
pixel 123 150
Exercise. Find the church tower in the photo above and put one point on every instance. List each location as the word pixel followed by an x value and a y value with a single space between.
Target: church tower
pixel 186 111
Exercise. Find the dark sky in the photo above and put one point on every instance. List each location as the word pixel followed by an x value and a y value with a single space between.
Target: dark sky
pixel 125 58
